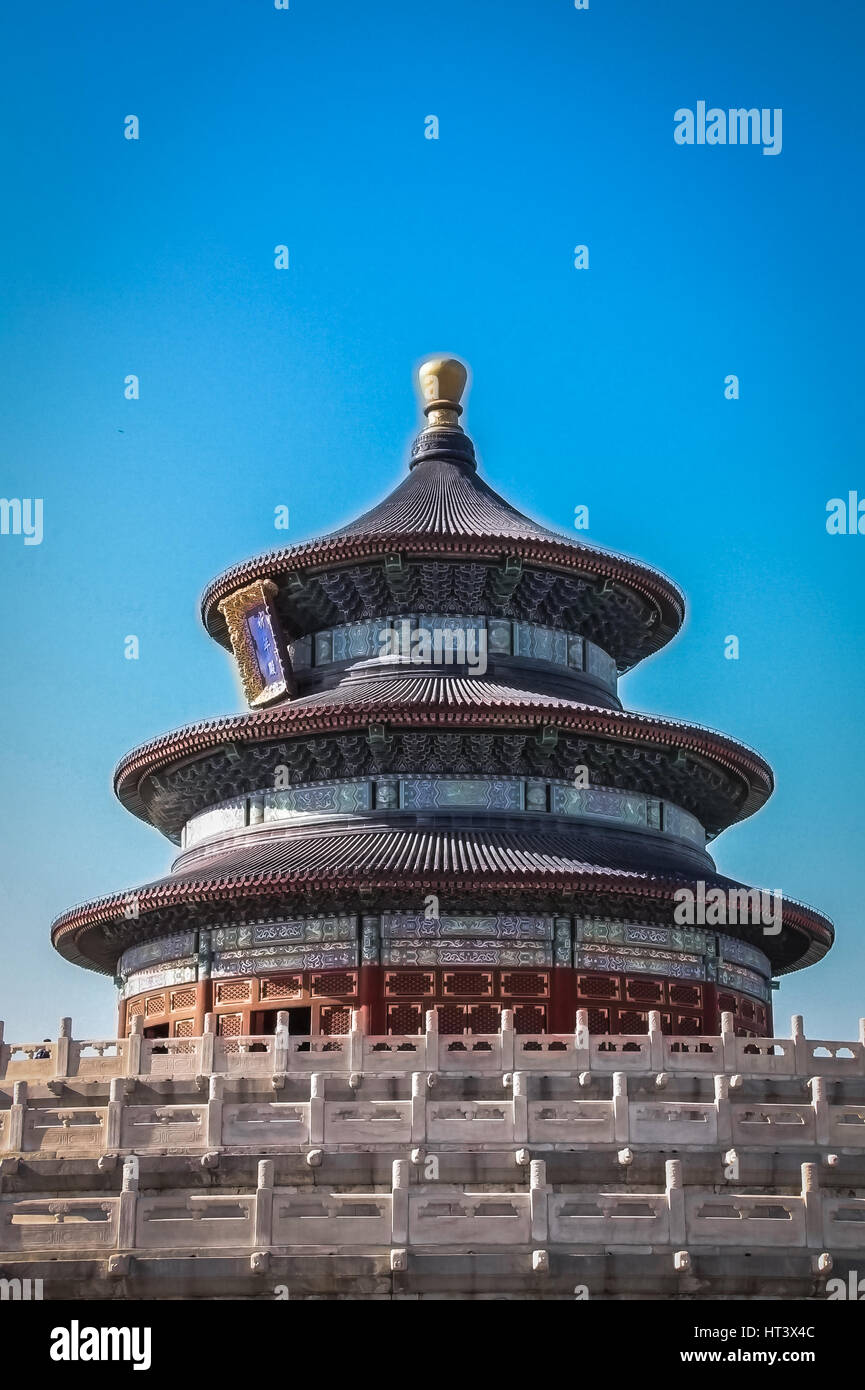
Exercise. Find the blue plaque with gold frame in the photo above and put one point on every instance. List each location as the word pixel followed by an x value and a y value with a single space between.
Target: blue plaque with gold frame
pixel 257 643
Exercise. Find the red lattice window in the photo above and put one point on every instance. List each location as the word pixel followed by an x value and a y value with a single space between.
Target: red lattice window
pixel 334 1019
pixel 727 1003
pixel 747 1010
pixel 335 982
pixel 451 1018
pixel 688 1025
pixel 281 987
pixel 631 1021
pixel 230 1025
pixel 409 982
pixel 599 1020
pixel 483 1018
pixel 136 1008
pixel 404 1018
pixel 530 1018
pixel 467 982
pixel 524 982
pixel 644 991
pixel 154 1006
pixel 686 994
pixel 235 992
pixel 184 1028
pixel 598 986
pixel 183 999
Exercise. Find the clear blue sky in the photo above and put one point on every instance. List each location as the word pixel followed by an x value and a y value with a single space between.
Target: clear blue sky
pixel 262 387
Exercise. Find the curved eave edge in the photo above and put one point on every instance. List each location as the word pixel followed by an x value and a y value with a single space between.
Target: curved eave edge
pixel 285 721
pixel 649 583
pixel 818 930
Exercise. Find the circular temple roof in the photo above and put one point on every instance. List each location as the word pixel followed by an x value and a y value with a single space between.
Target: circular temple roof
pixel 443 510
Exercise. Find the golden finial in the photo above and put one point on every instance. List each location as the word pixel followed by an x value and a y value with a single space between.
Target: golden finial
pixel 442 382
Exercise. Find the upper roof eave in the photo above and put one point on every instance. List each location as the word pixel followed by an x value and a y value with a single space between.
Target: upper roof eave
pixel 554 553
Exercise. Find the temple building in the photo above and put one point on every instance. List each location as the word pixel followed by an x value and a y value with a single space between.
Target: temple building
pixel 437 799
pixel 443 996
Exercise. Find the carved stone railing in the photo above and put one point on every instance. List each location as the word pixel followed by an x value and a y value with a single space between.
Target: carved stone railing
pixel 379 1113
pixel 419 1216
pixel 471 1055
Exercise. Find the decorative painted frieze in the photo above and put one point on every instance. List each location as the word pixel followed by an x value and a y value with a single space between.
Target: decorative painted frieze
pixel 740 953
pixel 446 791
pixel 682 823
pixel 167 948
pixel 592 929
pixel 455 952
pixel 540 643
pixel 299 929
pixel 366 641
pixel 626 961
pixel 598 801
pixel 265 960
pixel 370 941
pixel 328 798
pixel 563 941
pixel 180 973
pixel 486 793
pixel 745 980
pixel 399 925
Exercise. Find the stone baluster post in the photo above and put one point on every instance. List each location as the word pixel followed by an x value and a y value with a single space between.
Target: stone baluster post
pixel 356 1039
pixel 399 1200
pixel 128 1201
pixel 418 1107
pixel 657 1060
pixel 800 1047
pixel 676 1201
pixel 61 1051
pixel 316 1108
pixel 539 1201
pixel 813 1199
pixel 723 1111
pixel 281 1052
pixel 431 1061
pixel 116 1102
pixel 208 1045
pixel 17 1112
pixel 4 1050
pixel 621 1121
pixel 582 1060
pixel 263 1233
pixel 133 1047
pixel 520 1102
pixel 728 1042
pixel 820 1106
pixel 215 1102
pixel 507 1039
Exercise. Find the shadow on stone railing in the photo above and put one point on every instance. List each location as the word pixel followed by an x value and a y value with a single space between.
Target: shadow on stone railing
pixel 359 1052
pixel 415 1216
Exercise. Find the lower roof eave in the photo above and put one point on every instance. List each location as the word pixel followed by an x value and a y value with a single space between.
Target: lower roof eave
pixel 79 934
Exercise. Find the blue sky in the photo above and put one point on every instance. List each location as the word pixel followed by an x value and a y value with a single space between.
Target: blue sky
pixel 262 387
